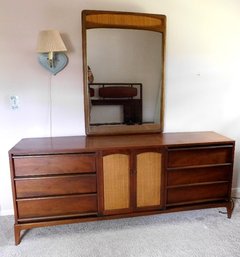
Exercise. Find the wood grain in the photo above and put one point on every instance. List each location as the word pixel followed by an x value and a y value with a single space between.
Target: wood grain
pixel 202 181
pixel 199 175
pixel 54 164
pixel 83 144
pixel 57 206
pixel 56 185
pixel 197 193
pixel 107 19
pixel 199 156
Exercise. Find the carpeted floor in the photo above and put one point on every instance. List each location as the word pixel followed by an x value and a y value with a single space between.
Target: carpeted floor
pixel 185 234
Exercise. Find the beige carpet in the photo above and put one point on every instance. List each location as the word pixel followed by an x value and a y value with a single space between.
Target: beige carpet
pixel 185 234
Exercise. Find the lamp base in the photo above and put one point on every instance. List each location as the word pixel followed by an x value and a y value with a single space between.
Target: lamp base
pixel 59 62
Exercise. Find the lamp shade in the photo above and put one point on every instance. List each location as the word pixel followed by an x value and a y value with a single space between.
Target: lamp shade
pixel 50 41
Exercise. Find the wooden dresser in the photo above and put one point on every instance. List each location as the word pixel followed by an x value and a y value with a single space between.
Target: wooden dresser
pixel 62 180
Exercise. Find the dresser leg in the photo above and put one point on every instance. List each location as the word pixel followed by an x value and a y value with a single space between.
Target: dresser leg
pixel 229 209
pixel 17 233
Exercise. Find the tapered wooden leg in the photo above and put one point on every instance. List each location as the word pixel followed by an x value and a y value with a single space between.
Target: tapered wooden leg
pixel 229 210
pixel 17 234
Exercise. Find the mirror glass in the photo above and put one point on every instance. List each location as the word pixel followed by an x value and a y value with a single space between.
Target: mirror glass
pixel 123 68
pixel 121 57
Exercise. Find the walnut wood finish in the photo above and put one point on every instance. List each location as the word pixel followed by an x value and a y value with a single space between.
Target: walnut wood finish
pixel 199 156
pixel 64 180
pixel 199 175
pixel 197 193
pixel 55 185
pixel 54 164
pixel 56 206
pixel 89 145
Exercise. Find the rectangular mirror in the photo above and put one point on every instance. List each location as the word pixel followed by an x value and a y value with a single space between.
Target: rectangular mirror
pixel 123 67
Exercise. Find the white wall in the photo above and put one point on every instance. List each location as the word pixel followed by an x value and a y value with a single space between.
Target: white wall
pixel 202 70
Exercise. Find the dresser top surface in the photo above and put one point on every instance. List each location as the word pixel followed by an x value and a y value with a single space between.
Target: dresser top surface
pixel 73 144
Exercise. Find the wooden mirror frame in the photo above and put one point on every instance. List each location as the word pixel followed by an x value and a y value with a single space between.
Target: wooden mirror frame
pixel 92 19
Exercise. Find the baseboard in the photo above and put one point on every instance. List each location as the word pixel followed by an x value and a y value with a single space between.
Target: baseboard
pixel 236 192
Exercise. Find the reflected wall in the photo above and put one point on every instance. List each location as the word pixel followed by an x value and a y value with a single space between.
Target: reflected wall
pixel 126 56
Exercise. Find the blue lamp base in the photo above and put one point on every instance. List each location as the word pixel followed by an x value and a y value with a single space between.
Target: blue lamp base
pixel 59 62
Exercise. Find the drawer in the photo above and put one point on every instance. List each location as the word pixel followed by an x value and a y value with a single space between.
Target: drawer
pixel 199 156
pixel 54 164
pixel 56 206
pixel 61 185
pixel 200 193
pixel 199 175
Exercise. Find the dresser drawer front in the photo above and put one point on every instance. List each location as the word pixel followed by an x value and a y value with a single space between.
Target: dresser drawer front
pixel 201 193
pixel 56 206
pixel 62 185
pixel 199 175
pixel 199 156
pixel 54 164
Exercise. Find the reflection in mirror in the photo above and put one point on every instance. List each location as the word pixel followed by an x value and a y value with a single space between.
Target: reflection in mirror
pixel 123 68
pixel 129 61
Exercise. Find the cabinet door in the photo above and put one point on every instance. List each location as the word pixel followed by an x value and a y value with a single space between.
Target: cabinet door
pixel 116 183
pixel 148 179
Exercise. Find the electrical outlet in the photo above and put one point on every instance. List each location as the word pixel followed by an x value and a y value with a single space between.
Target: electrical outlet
pixel 14 101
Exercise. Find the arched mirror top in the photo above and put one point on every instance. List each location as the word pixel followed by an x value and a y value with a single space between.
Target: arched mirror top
pixel 123 70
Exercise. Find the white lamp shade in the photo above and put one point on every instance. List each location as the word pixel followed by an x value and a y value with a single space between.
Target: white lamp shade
pixel 50 41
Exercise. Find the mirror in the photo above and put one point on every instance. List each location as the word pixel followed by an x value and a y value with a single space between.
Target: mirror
pixel 123 67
